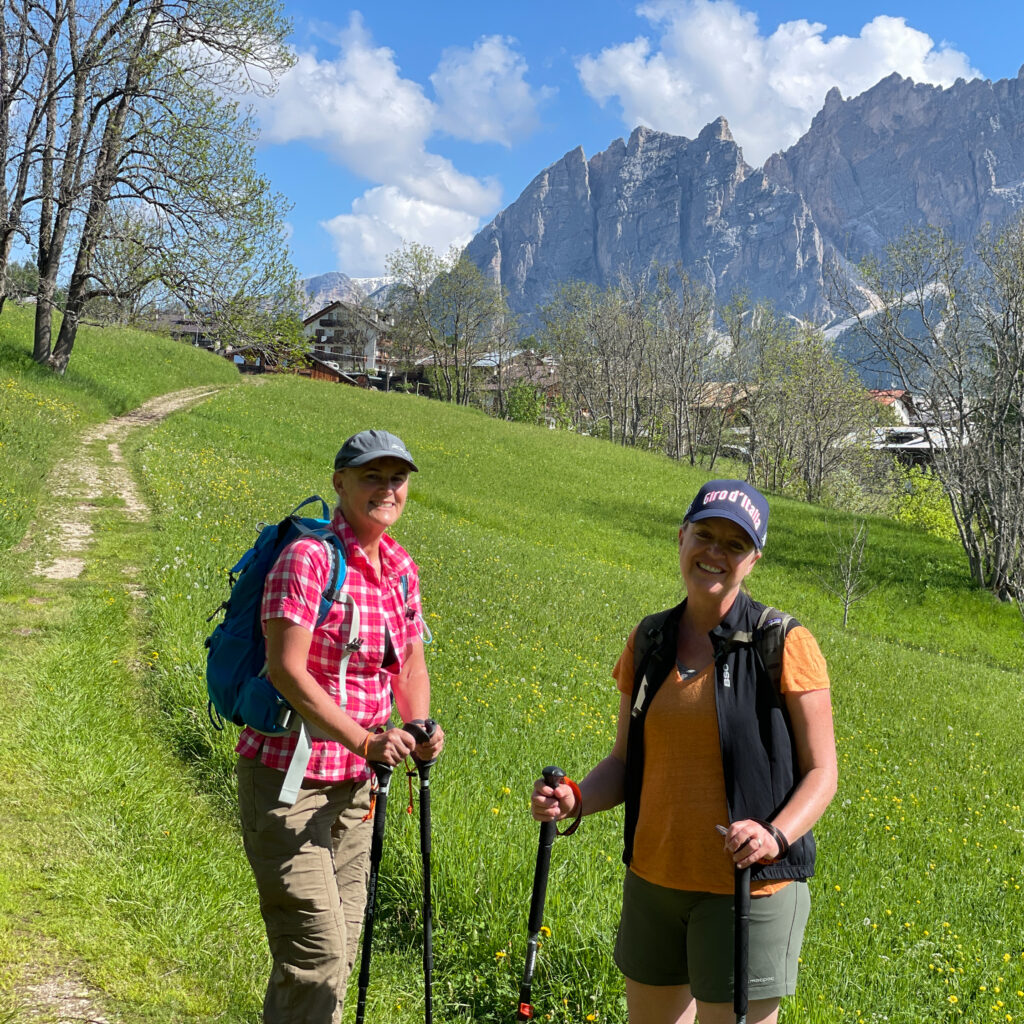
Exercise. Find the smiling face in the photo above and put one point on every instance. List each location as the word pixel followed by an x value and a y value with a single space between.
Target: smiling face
pixel 371 497
pixel 715 557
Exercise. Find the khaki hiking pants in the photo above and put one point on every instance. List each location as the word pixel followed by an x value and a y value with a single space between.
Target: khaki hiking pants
pixel 311 862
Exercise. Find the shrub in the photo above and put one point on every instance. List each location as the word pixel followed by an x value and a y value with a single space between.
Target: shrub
pixel 922 502
pixel 524 403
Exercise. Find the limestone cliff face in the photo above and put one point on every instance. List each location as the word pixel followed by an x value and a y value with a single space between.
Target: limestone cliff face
pixel 545 237
pixel 661 199
pixel 322 290
pixel 900 154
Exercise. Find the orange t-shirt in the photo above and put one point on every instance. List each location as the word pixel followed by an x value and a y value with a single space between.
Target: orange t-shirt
pixel 682 796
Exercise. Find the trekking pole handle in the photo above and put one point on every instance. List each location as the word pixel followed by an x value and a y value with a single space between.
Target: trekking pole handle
pixel 548 829
pixel 552 777
pixel 383 773
pixel 421 729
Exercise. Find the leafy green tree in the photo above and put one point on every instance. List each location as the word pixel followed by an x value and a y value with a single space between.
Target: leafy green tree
pixel 129 102
pixel 444 307
pixel 809 414
pixel 921 502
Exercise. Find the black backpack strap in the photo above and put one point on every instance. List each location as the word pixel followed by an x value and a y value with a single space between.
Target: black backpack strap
pixel 770 639
pixel 649 670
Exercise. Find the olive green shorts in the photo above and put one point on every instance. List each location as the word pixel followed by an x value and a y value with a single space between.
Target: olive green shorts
pixel 673 937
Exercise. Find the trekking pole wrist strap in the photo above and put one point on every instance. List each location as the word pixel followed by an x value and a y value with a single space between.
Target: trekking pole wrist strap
pixel 579 807
pixel 777 834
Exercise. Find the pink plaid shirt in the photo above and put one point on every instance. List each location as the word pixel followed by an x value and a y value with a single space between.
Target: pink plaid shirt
pixel 292 591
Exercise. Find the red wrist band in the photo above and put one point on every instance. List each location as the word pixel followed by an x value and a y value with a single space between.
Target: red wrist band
pixel 579 807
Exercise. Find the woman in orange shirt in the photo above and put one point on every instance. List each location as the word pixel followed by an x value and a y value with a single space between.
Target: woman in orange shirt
pixel 709 742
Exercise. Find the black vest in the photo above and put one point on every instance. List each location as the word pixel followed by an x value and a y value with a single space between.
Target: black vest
pixel 756 736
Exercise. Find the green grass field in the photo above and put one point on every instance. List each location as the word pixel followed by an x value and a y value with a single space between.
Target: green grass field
pixel 111 371
pixel 538 552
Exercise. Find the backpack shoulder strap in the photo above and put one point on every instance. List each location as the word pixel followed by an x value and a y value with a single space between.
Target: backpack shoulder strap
pixel 770 639
pixel 336 558
pixel 650 637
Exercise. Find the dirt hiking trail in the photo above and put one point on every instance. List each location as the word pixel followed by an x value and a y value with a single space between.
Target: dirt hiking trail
pixel 96 472
pixel 94 477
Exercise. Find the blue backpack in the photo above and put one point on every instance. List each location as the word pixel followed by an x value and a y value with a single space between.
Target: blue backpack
pixel 236 684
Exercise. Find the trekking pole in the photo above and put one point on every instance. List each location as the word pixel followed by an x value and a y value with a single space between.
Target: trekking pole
pixel 552 777
pixel 421 730
pixel 383 773
pixel 741 943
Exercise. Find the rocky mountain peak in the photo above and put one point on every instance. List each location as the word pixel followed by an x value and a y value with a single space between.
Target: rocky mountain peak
pixel 900 154
pixel 833 101
pixel 334 286
pixel 717 130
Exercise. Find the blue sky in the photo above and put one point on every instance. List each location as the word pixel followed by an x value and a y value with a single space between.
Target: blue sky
pixel 412 121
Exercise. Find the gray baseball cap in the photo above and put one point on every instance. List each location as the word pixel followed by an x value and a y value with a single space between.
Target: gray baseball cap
pixel 368 445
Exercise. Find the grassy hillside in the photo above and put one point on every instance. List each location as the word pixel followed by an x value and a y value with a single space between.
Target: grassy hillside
pixel 111 371
pixel 538 552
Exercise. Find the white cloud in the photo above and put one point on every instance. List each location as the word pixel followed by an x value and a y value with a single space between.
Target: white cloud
pixel 712 60
pixel 483 94
pixel 358 108
pixel 384 218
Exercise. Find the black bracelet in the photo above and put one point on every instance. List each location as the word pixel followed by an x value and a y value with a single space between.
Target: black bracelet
pixel 777 834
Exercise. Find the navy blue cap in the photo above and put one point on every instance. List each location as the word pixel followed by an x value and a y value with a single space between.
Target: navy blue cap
pixel 368 445
pixel 736 501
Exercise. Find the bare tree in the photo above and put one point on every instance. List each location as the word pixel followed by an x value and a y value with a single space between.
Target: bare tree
pixel 567 326
pixel 27 57
pixel 845 578
pixel 504 348
pixel 633 340
pixel 952 330
pixel 684 362
pixel 607 345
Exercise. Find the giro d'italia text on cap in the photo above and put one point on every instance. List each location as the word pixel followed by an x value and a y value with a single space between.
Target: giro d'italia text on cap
pixel 368 445
pixel 736 501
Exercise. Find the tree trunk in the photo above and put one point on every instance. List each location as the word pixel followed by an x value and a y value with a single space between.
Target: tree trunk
pixel 61 354
pixel 43 330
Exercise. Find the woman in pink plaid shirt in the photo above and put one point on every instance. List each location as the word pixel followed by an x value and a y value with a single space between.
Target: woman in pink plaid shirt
pixel 311 859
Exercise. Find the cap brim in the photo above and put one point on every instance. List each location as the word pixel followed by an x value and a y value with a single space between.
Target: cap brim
pixel 717 513
pixel 383 453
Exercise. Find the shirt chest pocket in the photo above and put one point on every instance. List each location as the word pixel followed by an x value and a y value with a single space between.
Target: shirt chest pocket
pixel 369 633
pixel 348 632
